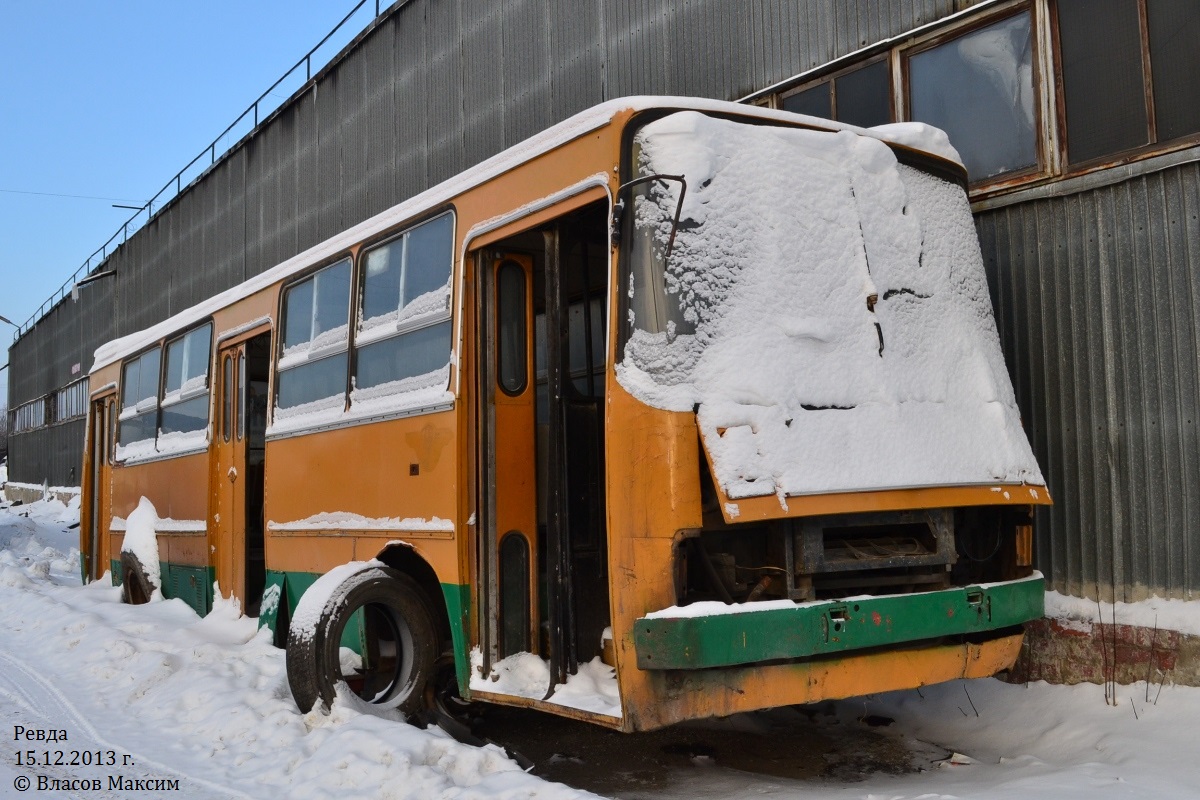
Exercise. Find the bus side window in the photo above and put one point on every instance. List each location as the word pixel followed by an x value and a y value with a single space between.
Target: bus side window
pixel 227 399
pixel 510 323
pixel 241 396
pixel 313 353
pixel 514 593
pixel 403 340
pixel 110 431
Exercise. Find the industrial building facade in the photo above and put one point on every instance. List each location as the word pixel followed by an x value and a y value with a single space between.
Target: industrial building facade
pixel 1078 120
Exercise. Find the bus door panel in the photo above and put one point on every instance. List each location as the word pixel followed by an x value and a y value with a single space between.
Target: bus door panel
pixel 511 390
pixel 236 526
pixel 99 477
pixel 544 576
pixel 227 528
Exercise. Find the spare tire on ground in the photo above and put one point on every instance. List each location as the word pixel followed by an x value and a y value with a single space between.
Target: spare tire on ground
pixel 136 587
pixel 398 642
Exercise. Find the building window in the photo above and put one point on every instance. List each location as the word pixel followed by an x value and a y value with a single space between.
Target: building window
pixel 1109 106
pixel 70 401
pixel 860 96
pixel 978 87
pixel 1174 30
pixel 1120 75
pixel 29 416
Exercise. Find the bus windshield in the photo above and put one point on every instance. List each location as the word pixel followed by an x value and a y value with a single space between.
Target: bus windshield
pixel 824 309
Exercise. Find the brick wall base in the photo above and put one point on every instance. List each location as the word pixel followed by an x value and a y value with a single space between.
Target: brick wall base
pixel 1058 651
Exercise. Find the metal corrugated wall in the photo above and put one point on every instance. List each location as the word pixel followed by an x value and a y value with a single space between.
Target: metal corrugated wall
pixel 1095 319
pixel 428 90
pixel 49 455
pixel 1098 302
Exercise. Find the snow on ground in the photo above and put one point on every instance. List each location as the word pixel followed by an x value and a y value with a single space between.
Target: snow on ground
pixel 205 702
pixel 989 740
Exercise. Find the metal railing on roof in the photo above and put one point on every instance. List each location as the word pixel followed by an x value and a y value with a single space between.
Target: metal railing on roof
pixel 175 184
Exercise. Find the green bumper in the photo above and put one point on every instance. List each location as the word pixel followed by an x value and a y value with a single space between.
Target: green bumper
pixel 829 628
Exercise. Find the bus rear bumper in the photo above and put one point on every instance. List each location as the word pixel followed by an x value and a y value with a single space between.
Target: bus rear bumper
pixel 779 631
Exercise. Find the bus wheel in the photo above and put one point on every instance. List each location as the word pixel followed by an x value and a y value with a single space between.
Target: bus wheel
pixel 136 588
pixel 392 627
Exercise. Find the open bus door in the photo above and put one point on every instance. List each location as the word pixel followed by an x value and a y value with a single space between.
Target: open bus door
pixel 236 478
pixel 543 556
pixel 97 488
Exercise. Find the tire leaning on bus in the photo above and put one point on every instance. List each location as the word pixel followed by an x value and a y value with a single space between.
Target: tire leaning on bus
pixel 399 632
pixel 136 588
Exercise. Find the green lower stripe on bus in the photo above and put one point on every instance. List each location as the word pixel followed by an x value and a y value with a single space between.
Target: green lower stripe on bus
pixel 814 629
pixel 458 606
pixel 192 585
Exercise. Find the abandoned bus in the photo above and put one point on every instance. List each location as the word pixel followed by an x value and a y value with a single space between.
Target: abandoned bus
pixel 679 409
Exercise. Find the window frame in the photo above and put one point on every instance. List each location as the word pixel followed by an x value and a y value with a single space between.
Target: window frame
pixel 70 402
pixel 1049 92
pixel 831 78
pixel 122 416
pixel 401 328
pixel 519 360
pixel 326 352
pixel 1044 165
pixel 30 415
pixel 183 396
pixel 1151 148
pixel 119 409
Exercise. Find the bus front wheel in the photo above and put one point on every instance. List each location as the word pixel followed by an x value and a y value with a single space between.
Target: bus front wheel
pixel 370 632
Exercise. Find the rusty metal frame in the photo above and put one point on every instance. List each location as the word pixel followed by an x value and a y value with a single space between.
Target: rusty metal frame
pixel 1042 144
pixel 832 77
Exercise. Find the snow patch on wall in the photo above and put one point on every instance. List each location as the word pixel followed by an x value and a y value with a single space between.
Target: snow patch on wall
pixel 1182 616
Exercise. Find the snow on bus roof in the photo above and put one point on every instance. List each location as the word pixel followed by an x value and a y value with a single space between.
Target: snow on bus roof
pixel 913 135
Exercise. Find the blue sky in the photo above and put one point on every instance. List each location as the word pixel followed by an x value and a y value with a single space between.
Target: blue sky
pixel 107 100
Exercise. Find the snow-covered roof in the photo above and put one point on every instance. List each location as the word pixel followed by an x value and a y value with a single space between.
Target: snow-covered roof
pixel 913 135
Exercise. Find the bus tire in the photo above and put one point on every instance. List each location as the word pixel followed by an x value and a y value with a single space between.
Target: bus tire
pixel 136 588
pixel 400 640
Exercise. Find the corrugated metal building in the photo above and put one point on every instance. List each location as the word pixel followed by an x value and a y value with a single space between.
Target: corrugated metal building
pixel 1079 126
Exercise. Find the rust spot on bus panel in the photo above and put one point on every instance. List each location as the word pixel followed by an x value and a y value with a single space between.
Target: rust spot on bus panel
pixel 428 443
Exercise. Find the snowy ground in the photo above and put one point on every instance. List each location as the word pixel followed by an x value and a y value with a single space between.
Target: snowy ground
pixel 205 702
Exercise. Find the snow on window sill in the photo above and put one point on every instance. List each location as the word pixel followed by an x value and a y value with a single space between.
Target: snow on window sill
pixel 346 520
pixel 315 419
pixel 167 525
